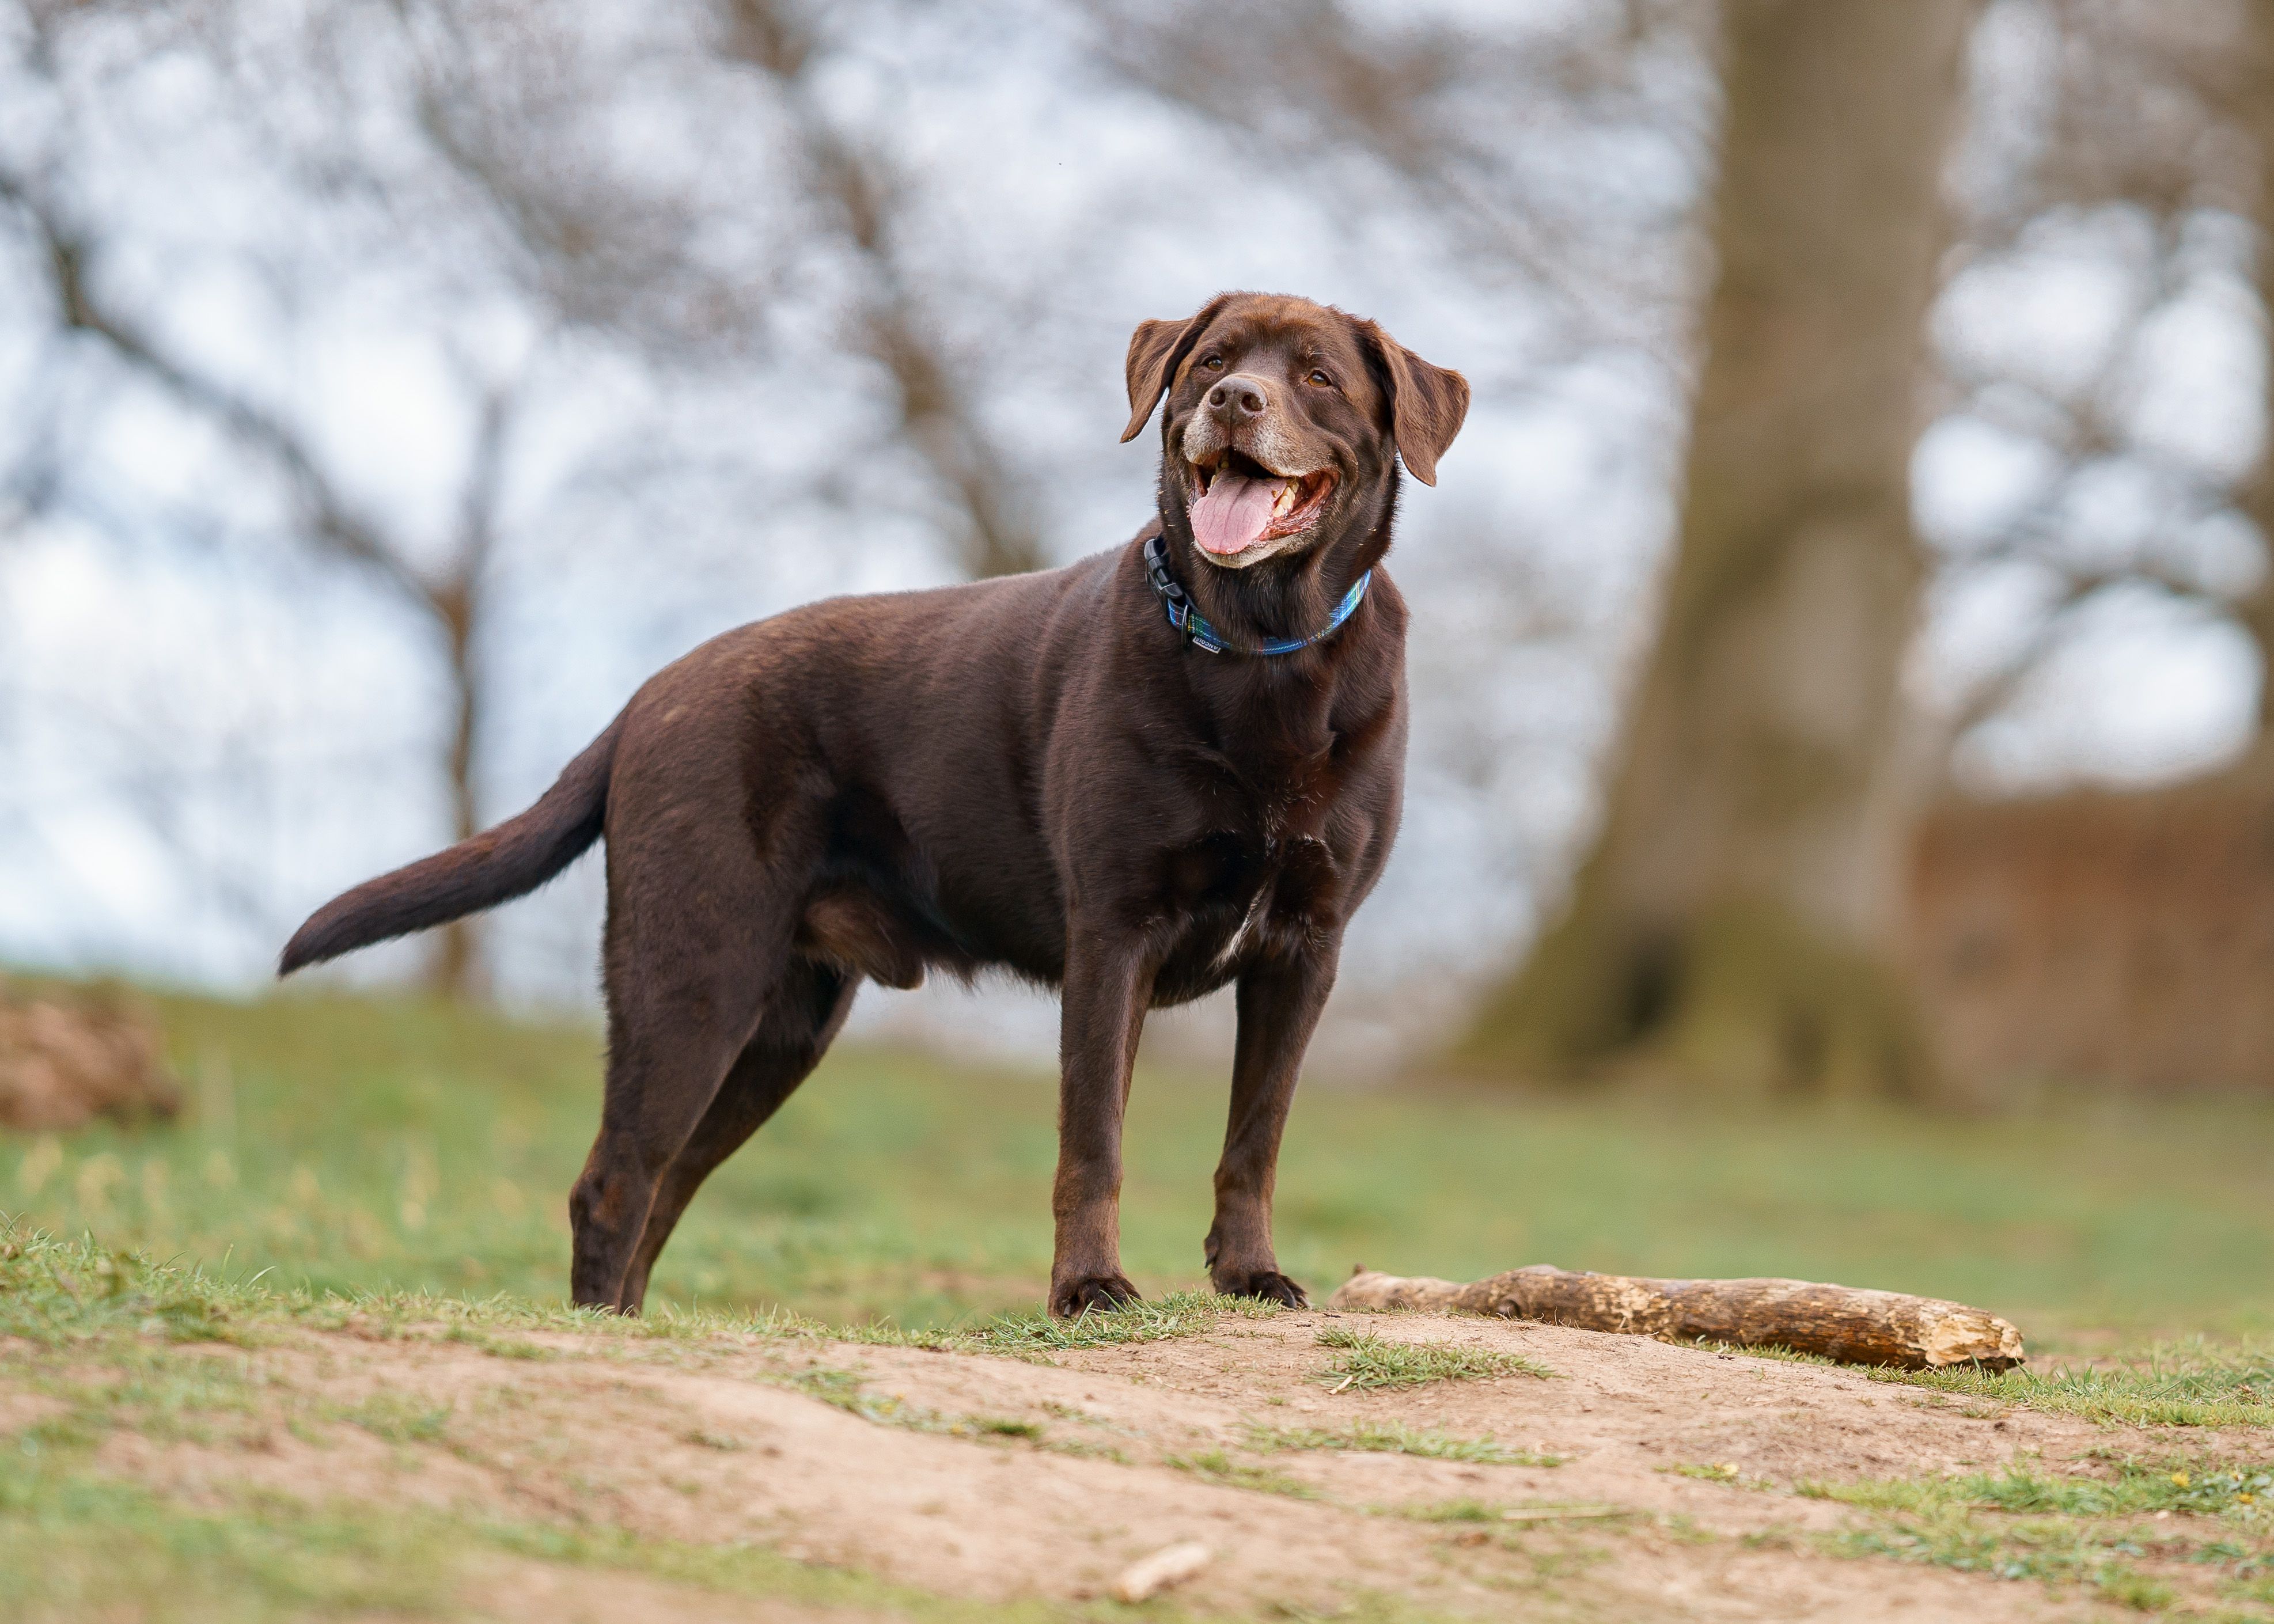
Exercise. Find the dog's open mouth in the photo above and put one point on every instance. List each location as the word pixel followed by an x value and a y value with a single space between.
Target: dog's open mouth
pixel 1237 503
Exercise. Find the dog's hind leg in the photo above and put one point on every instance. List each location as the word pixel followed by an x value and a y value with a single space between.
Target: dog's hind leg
pixel 689 968
pixel 795 1029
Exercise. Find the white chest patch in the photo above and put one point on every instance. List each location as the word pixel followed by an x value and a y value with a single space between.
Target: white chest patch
pixel 1237 940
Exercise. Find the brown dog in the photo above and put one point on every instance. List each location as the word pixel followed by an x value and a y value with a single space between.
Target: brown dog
pixel 1139 778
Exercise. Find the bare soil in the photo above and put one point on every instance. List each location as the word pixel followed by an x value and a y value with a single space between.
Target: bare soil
pixel 738 1443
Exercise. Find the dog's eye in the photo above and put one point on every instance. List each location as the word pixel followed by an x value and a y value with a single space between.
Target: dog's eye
pixel 1215 364
pixel 1321 380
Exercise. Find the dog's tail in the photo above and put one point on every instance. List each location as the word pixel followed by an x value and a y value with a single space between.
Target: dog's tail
pixel 495 866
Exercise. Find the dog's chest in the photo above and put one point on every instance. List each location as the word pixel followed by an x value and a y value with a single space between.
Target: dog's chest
pixel 1272 875
pixel 1234 897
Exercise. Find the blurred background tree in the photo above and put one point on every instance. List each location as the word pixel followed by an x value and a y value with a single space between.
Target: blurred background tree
pixel 2122 144
pixel 451 170
pixel 1738 911
pixel 442 160
pixel 2113 931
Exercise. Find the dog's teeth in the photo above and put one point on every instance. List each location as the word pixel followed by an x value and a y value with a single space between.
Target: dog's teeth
pixel 1286 498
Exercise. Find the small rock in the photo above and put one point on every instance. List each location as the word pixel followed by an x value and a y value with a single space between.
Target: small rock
pixel 1149 1575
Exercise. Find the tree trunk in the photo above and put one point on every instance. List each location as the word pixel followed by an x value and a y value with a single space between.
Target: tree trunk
pixel 1733 921
pixel 2256 116
pixel 455 970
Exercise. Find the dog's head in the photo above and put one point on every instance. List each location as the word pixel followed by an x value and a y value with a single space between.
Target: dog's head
pixel 1282 419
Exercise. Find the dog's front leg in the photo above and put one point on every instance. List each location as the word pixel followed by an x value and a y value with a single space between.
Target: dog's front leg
pixel 1280 1001
pixel 1107 988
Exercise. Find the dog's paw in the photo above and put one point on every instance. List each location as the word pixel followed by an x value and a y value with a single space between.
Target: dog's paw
pixel 1104 1293
pixel 1269 1285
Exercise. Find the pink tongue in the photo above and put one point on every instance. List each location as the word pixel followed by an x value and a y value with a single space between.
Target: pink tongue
pixel 1234 512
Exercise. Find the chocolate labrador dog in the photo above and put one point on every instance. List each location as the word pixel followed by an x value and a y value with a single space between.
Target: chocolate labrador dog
pixel 1165 769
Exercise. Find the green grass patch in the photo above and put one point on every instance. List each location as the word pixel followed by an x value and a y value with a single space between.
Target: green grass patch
pixel 2173 1384
pixel 1365 1359
pixel 1757 1350
pixel 1217 1467
pixel 2133 1488
pixel 72 1547
pixel 398 1420
pixel 357 1145
pixel 2055 1552
pixel 847 1390
pixel 2138 1534
pixel 1704 1472
pixel 1180 1314
pixel 1490 1511
pixel 1451 1511
pixel 53 1294
pixel 1397 1437
pixel 2259 1590
pixel 58 1293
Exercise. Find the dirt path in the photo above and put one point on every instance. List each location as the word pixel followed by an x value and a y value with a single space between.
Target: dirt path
pixel 992 1478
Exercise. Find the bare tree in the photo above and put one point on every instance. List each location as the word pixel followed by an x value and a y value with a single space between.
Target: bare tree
pixel 1500 138
pixel 450 597
pixel 2254 101
pixel 2152 119
pixel 501 182
pixel 584 248
pixel 1734 920
pixel 853 189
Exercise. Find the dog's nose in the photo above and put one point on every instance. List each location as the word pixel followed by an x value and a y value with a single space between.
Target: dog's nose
pixel 1239 398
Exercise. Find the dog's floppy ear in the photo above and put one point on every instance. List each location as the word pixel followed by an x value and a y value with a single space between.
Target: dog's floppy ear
pixel 1155 351
pixel 1426 404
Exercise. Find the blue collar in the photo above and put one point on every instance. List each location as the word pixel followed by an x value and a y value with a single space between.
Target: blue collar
pixel 1196 630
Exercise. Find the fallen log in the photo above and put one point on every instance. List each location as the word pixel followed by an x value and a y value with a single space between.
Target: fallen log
pixel 1839 1322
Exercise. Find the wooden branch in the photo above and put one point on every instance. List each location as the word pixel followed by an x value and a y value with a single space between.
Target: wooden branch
pixel 1839 1322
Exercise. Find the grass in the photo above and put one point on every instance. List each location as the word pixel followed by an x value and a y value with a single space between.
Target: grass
pixel 2202 1486
pixel 847 1390
pixel 57 1293
pixel 2188 1383
pixel 1217 1467
pixel 1397 1437
pixel 1487 1511
pixel 1365 1359
pixel 351 1145
pixel 1180 1314
pixel 2144 1534
pixel 1706 1471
